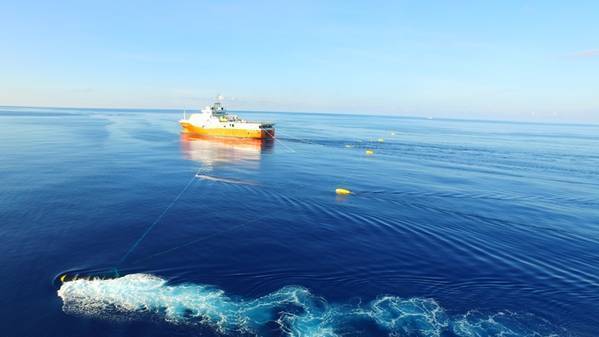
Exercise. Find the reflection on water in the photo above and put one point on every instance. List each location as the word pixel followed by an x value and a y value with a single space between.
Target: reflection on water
pixel 215 151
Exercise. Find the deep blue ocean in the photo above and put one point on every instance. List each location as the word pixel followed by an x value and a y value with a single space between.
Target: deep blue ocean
pixel 454 227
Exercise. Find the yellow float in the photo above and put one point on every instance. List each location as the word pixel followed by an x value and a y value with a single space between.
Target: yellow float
pixel 342 191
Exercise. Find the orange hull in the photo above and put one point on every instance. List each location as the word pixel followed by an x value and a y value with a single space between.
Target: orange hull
pixel 247 143
pixel 223 132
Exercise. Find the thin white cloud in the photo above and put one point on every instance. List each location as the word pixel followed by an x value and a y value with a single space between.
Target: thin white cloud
pixel 149 57
pixel 588 53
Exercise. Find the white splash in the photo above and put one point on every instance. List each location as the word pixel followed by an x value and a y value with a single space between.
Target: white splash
pixel 296 311
pixel 225 180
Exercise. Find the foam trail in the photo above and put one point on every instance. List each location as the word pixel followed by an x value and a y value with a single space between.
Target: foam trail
pixel 296 311
pixel 225 180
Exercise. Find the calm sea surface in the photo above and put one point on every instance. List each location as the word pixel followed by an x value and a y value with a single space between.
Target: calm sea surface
pixel 455 228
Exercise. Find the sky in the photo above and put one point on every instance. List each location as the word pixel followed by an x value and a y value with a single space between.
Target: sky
pixel 506 60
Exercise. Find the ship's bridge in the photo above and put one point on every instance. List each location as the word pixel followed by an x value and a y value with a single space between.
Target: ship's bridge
pixel 218 109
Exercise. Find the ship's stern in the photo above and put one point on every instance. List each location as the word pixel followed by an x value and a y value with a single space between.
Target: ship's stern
pixel 267 131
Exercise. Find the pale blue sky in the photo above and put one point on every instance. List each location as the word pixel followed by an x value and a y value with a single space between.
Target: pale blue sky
pixel 519 60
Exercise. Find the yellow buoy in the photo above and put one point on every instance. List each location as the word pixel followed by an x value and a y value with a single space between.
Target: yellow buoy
pixel 342 191
pixel 63 277
pixel 369 152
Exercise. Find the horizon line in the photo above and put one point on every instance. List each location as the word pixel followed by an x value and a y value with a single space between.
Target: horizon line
pixel 320 112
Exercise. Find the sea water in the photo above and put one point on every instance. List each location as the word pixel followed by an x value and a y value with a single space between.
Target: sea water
pixel 454 227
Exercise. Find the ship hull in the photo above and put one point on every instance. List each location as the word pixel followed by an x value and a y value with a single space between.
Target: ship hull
pixel 228 132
